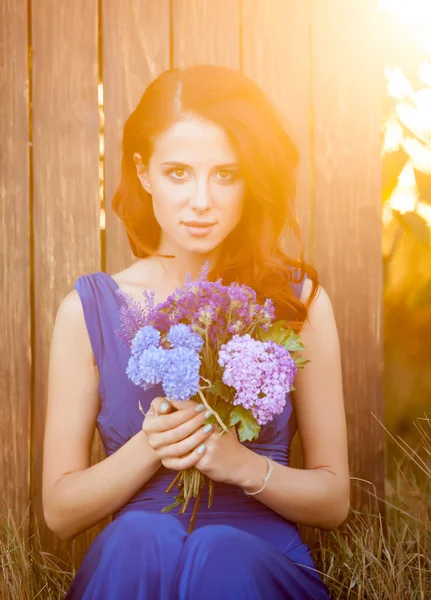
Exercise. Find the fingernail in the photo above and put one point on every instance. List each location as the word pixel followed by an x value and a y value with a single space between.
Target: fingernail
pixel 200 408
pixel 201 448
pixel 164 406
pixel 207 414
pixel 208 428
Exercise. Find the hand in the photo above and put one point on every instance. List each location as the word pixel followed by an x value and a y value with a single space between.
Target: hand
pixel 224 456
pixel 175 436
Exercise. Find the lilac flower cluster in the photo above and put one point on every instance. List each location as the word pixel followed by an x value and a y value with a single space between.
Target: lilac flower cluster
pixel 206 306
pixel 177 368
pixel 261 373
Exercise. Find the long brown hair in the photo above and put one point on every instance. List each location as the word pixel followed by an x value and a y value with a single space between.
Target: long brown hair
pixel 268 158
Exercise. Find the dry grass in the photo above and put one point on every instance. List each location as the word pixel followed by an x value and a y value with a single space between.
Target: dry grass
pixel 359 561
pixel 26 571
pixel 365 559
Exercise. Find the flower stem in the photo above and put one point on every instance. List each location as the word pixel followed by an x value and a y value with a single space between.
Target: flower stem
pixel 174 481
pixel 195 510
pixel 205 403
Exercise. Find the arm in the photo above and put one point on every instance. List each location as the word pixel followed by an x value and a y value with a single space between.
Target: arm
pixel 319 494
pixel 75 495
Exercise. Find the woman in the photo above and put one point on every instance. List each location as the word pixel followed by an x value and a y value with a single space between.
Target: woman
pixel 207 174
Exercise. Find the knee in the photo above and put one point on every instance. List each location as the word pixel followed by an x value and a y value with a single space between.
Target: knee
pixel 220 538
pixel 142 525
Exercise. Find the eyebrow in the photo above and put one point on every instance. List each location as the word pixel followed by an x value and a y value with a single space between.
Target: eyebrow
pixel 181 164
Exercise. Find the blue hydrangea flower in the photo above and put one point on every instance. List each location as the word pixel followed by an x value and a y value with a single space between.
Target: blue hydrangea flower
pixel 149 368
pixel 181 380
pixel 181 336
pixel 147 337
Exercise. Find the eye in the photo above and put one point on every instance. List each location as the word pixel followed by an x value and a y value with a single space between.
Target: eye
pixel 179 173
pixel 226 175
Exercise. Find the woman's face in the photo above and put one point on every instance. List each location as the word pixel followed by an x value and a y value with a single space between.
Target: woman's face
pixel 194 175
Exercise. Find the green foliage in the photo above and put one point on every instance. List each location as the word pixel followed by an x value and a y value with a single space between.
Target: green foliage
pixel 286 337
pixel 248 430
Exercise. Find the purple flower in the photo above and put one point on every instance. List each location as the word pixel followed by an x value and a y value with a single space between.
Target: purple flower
pixel 133 316
pixel 261 373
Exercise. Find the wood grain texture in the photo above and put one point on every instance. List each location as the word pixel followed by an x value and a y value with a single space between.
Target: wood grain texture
pixel 276 54
pixel 319 62
pixel 15 315
pixel 135 50
pixel 206 32
pixel 346 91
pixel 66 187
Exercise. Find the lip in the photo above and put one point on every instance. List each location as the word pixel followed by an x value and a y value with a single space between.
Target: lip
pixel 199 231
pixel 199 223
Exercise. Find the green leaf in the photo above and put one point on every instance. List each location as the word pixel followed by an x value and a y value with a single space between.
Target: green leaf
pixel 281 335
pixel 248 429
pixel 300 361
pixel 219 388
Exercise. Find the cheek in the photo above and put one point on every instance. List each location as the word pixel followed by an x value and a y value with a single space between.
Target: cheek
pixel 231 200
pixel 167 199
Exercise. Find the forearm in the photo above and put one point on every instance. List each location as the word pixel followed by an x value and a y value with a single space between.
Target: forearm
pixel 314 497
pixel 83 498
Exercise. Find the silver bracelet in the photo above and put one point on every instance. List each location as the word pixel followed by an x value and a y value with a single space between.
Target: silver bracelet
pixel 265 481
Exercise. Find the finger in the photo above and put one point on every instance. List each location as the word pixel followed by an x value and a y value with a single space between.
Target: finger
pixel 185 462
pixel 184 404
pixel 178 433
pixel 187 444
pixel 165 422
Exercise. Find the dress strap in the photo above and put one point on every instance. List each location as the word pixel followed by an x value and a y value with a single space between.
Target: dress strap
pixel 88 288
pixel 297 287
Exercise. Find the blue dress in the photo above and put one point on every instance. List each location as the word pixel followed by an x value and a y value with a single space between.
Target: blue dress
pixel 240 549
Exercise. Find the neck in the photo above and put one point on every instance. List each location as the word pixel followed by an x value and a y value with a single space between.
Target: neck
pixel 184 262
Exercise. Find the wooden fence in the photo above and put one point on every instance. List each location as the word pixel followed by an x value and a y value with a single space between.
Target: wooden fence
pixel 317 59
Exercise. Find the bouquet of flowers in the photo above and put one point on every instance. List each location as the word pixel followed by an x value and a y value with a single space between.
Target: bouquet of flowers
pixel 214 344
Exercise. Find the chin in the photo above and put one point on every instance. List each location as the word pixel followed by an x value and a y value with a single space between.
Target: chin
pixel 201 248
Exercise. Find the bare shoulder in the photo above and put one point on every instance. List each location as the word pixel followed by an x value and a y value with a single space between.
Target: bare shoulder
pixel 319 333
pixel 71 307
pixel 70 313
pixel 321 304
pixel 70 325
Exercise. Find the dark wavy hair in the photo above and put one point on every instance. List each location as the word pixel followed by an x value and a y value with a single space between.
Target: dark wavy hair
pixel 268 157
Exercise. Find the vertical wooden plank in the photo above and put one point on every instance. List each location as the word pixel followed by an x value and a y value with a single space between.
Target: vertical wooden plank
pixel 15 341
pixel 136 49
pixel 275 54
pixel 66 184
pixel 206 32
pixel 346 91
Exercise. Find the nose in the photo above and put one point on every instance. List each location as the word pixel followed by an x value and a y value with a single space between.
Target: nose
pixel 201 196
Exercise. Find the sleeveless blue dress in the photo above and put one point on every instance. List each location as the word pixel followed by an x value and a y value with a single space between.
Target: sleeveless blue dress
pixel 240 549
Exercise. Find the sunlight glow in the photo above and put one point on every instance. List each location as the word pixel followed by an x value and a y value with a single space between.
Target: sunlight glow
pixel 405 196
pixel 399 87
pixel 393 136
pixel 416 14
